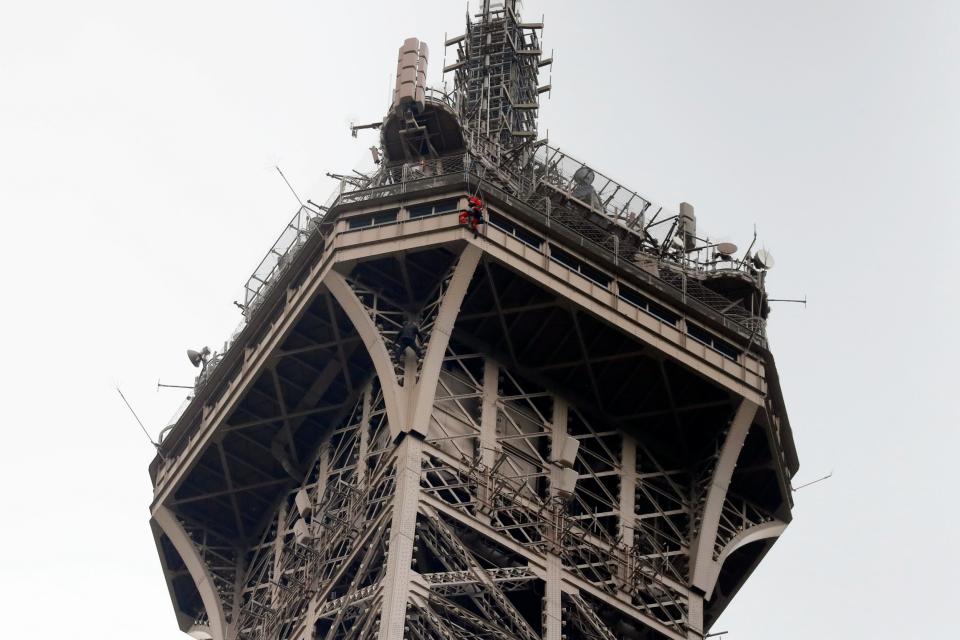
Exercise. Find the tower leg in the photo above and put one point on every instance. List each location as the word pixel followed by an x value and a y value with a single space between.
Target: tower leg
pixel 552 606
pixel 402 531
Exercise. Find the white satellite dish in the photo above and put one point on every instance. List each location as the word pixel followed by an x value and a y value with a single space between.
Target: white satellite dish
pixel 763 260
pixel 726 249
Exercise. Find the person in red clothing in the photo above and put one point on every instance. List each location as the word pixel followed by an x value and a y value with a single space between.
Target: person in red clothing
pixel 473 216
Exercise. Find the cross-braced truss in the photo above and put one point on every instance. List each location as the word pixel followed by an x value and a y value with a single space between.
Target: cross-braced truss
pixel 534 473
pixel 503 521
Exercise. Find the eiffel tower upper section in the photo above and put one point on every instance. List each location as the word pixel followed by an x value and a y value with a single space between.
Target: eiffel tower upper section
pixel 565 421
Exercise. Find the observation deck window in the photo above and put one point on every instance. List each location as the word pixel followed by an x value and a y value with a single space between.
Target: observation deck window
pixel 724 348
pixel 575 264
pixel 373 219
pixel 644 303
pixel 507 226
pixel 434 208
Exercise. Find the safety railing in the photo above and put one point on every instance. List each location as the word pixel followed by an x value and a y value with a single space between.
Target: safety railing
pixel 279 256
pixel 567 174
pixel 551 169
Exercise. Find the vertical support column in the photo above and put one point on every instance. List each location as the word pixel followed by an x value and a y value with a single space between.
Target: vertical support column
pixel 695 616
pixel 310 621
pixel 364 448
pixel 278 554
pixel 628 499
pixel 323 471
pixel 552 603
pixel 558 427
pixel 487 452
pixel 552 609
pixel 231 630
pixel 402 532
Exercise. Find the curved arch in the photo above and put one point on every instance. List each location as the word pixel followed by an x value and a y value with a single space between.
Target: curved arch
pixel 704 569
pixel 373 341
pixel 167 522
pixel 764 531
pixel 440 336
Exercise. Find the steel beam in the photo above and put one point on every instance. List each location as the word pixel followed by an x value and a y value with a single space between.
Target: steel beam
pixel 704 569
pixel 373 341
pixel 199 572
pixel 440 337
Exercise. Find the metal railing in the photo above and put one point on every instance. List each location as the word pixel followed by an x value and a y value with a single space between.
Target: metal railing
pixel 550 170
pixel 293 236
pixel 625 207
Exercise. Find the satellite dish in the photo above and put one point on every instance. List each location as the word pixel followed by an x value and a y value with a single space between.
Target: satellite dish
pixel 763 260
pixel 198 358
pixel 584 175
pixel 726 249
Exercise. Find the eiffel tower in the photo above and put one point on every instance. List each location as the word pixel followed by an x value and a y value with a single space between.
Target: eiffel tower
pixel 562 422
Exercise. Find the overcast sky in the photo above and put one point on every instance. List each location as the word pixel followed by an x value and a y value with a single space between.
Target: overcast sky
pixel 137 193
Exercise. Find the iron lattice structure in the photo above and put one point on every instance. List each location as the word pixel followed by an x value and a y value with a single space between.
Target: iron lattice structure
pixel 496 75
pixel 591 442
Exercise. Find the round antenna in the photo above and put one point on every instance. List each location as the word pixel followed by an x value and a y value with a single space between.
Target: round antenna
pixel 726 249
pixel 584 175
pixel 763 260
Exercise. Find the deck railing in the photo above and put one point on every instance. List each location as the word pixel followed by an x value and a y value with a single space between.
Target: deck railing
pixel 550 170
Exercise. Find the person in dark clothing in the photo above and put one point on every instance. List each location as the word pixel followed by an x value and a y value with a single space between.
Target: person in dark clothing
pixel 408 337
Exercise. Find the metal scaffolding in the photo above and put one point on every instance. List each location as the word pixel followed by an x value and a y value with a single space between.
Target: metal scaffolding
pixel 496 75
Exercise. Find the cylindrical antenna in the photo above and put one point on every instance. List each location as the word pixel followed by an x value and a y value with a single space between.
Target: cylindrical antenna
pixel 137 418
pixel 277 167
pixel 807 484
pixel 803 302
pixel 160 385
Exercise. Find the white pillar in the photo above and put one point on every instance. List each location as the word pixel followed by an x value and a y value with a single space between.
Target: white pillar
pixel 552 600
pixel 402 532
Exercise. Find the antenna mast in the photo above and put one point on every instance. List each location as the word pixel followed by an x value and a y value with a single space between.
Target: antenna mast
pixel 496 77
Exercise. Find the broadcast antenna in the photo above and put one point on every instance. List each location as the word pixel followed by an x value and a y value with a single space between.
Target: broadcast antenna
pixel 137 418
pixel 807 484
pixel 277 167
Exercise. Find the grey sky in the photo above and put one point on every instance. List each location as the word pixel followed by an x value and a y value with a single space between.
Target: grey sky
pixel 137 192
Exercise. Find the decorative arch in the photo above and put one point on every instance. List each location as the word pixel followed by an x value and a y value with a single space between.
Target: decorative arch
pixel 426 389
pixel 756 533
pixel 704 569
pixel 373 341
pixel 168 524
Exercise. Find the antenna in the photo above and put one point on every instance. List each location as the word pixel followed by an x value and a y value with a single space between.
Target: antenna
pixel 807 484
pixel 803 302
pixel 749 249
pixel 277 167
pixel 160 385
pixel 137 418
